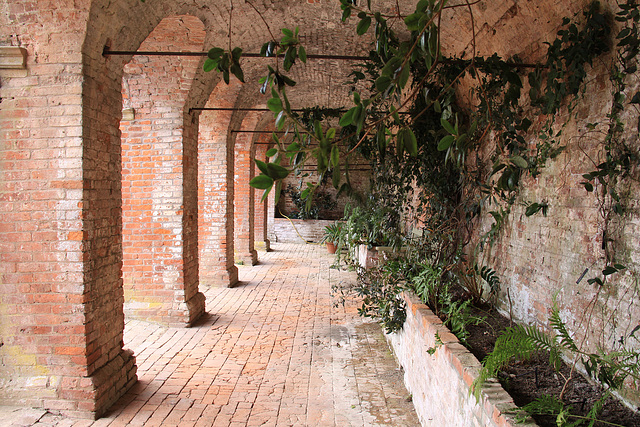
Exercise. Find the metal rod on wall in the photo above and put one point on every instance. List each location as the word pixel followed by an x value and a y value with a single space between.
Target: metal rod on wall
pixel 106 51
pixel 341 110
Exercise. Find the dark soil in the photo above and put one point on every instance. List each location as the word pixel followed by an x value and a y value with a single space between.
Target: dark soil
pixel 526 381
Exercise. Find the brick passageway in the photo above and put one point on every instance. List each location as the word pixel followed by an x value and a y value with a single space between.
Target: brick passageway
pixel 273 351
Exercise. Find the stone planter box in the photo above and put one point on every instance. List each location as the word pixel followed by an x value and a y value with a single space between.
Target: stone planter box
pixel 290 231
pixel 369 257
pixel 440 383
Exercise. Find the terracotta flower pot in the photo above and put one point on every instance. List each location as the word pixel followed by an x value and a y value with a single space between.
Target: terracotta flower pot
pixel 331 247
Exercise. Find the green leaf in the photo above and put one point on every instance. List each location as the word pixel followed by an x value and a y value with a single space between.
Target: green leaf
pixel 346 14
pixel 532 209
pixel 335 156
pixel 277 171
pixel 446 142
pixel 266 194
pixel 287 32
pixel 215 53
pixel 272 152
pixel 410 142
pixel 404 76
pixel 261 182
pixel 262 166
pixel 335 177
pixel 236 54
pixel 331 133
pixel 317 127
pixel 382 83
pixel 363 25
pixel 519 161
pixel 381 140
pixel 609 270
pixel 391 66
pixel 278 192
pixel 447 126
pixel 280 120
pixel 358 117
pixel 347 118
pixel 274 104
pixel 394 114
pixel 437 107
pixel 412 21
pixel 302 54
pixel 209 64
pixel 237 71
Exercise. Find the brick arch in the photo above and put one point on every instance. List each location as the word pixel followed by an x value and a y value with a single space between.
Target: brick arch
pixel 61 312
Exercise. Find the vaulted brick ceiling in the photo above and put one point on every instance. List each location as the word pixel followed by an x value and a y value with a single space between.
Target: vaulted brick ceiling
pixel 507 27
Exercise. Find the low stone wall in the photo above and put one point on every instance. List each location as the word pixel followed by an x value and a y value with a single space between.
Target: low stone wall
pixel 440 383
pixel 284 230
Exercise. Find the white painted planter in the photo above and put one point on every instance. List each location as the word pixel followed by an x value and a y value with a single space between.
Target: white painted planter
pixel 440 382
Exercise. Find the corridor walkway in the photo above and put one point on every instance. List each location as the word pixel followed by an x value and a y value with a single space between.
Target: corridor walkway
pixel 273 351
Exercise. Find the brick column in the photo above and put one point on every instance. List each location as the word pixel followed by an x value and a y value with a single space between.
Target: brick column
pixel 61 318
pixel 159 183
pixel 261 208
pixel 271 214
pixel 244 166
pixel 215 188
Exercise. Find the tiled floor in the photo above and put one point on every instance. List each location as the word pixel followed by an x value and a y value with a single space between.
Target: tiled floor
pixel 273 351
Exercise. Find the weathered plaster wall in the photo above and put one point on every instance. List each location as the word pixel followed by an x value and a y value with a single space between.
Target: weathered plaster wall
pixel 541 258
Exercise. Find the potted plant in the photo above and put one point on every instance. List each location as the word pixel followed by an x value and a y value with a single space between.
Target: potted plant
pixel 331 236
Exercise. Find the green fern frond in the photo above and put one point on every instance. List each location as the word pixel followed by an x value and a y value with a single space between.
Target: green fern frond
pixel 592 416
pixel 544 405
pixel 516 343
pixel 488 274
pixel 543 342
pixel 558 325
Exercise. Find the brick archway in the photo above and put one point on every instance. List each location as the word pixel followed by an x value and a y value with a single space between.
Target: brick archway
pixel 61 290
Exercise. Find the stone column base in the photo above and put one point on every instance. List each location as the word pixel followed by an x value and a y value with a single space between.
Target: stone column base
pixel 220 279
pixel 263 246
pixel 248 258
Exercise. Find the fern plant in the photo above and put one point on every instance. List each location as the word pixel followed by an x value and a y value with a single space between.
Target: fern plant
pixel 523 342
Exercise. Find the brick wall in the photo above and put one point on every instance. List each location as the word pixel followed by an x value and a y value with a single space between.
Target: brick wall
pixel 439 383
pixel 538 258
pixel 541 258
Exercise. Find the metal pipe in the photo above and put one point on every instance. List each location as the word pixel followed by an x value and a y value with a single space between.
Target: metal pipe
pixel 251 109
pixel 106 52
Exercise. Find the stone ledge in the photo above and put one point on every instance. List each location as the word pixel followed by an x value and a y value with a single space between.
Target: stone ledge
pixel 440 382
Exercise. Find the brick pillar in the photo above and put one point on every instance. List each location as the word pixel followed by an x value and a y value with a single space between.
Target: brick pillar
pixel 261 208
pixel 215 188
pixel 61 318
pixel 244 166
pixel 271 214
pixel 159 183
